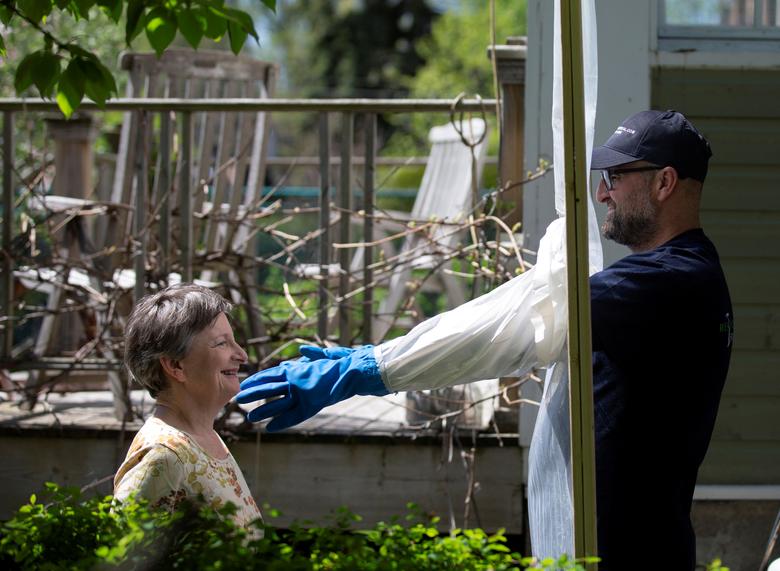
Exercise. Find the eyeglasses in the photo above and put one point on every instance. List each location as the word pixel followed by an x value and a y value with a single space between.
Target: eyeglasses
pixel 608 175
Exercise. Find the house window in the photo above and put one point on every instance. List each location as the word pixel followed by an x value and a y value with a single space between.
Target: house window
pixel 718 25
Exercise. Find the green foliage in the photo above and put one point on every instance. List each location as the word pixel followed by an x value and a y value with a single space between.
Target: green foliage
pixel 65 69
pixel 73 532
pixel 456 61
pixel 350 48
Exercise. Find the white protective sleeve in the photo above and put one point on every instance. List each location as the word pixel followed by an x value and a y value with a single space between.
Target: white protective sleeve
pixel 517 326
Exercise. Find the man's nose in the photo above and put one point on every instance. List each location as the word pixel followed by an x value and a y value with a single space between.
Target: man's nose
pixel 602 195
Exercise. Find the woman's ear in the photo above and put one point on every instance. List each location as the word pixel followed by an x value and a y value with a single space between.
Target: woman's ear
pixel 172 369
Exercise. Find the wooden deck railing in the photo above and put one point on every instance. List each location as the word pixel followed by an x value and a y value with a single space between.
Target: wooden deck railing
pixel 347 108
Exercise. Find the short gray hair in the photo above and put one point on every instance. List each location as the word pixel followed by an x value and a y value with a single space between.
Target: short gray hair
pixel 163 324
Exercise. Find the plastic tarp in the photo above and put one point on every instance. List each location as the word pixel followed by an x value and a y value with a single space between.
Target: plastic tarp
pixel 519 326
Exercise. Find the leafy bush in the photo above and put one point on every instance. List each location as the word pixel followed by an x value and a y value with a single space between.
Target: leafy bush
pixel 73 532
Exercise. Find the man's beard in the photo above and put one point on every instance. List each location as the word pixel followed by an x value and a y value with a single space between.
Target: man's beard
pixel 632 229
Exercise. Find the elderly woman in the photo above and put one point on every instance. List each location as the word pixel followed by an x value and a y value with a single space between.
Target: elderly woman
pixel 179 345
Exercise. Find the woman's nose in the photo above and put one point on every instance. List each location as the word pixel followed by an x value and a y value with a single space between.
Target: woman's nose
pixel 240 354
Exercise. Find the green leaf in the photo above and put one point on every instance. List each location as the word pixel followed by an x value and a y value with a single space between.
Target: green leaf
pixel 5 14
pixel 2 48
pixel 34 9
pixel 47 71
pixel 77 50
pixel 237 36
pixel 94 81
pixel 24 73
pixel 244 20
pixel 240 25
pixel 99 84
pixel 191 25
pixel 108 79
pixel 134 24
pixel 62 4
pixel 216 24
pixel 160 29
pixel 270 4
pixel 70 89
pixel 113 8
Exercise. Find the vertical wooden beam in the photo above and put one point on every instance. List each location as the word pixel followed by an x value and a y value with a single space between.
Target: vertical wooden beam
pixel 510 65
pixel 345 204
pixel 368 227
pixel 140 233
pixel 583 463
pixel 164 194
pixel 7 279
pixel 73 155
pixel 322 306
pixel 185 197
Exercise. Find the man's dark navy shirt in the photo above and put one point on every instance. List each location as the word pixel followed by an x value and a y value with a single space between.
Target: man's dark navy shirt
pixel 662 332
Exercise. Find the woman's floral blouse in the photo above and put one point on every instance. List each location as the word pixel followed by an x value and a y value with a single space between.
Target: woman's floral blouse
pixel 165 465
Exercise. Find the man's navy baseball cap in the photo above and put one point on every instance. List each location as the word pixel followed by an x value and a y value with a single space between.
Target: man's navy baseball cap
pixel 664 138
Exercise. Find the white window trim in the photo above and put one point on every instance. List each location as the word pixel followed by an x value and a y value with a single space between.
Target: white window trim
pixel 712 46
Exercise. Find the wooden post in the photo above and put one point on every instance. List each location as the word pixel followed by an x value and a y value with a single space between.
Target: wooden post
pixel 73 160
pixel 164 196
pixel 510 65
pixel 185 197
pixel 140 233
pixel 368 227
pixel 583 456
pixel 73 155
pixel 322 307
pixel 7 280
pixel 345 204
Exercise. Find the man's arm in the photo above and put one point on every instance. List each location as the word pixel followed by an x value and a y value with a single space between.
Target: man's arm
pixel 515 327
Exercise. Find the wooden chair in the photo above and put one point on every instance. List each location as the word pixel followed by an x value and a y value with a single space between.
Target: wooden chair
pixel 227 169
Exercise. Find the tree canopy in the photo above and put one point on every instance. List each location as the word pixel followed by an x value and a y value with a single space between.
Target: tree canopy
pixel 350 48
pixel 64 69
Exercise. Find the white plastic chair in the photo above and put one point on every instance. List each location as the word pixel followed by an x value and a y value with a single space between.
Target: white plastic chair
pixel 445 196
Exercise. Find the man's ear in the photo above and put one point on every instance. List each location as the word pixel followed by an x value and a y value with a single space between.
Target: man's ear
pixel 172 369
pixel 666 183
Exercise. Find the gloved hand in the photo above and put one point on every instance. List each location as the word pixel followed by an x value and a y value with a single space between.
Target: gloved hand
pixel 314 353
pixel 325 377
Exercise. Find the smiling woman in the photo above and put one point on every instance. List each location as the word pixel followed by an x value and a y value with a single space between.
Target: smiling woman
pixel 179 345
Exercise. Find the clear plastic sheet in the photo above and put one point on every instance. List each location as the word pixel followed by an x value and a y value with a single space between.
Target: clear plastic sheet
pixel 519 326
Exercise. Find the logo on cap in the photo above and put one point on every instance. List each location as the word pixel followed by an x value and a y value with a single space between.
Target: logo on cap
pixel 623 129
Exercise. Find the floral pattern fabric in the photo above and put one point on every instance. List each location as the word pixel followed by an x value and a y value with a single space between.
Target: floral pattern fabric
pixel 165 465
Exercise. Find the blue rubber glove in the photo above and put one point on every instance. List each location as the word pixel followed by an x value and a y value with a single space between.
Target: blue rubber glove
pixel 314 353
pixel 306 387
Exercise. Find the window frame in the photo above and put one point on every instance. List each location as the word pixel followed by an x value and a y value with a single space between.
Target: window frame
pixel 714 38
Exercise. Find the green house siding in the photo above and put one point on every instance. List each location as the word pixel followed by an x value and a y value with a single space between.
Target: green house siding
pixel 739 112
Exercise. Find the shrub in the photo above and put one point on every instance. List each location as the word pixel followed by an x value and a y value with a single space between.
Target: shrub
pixel 73 532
